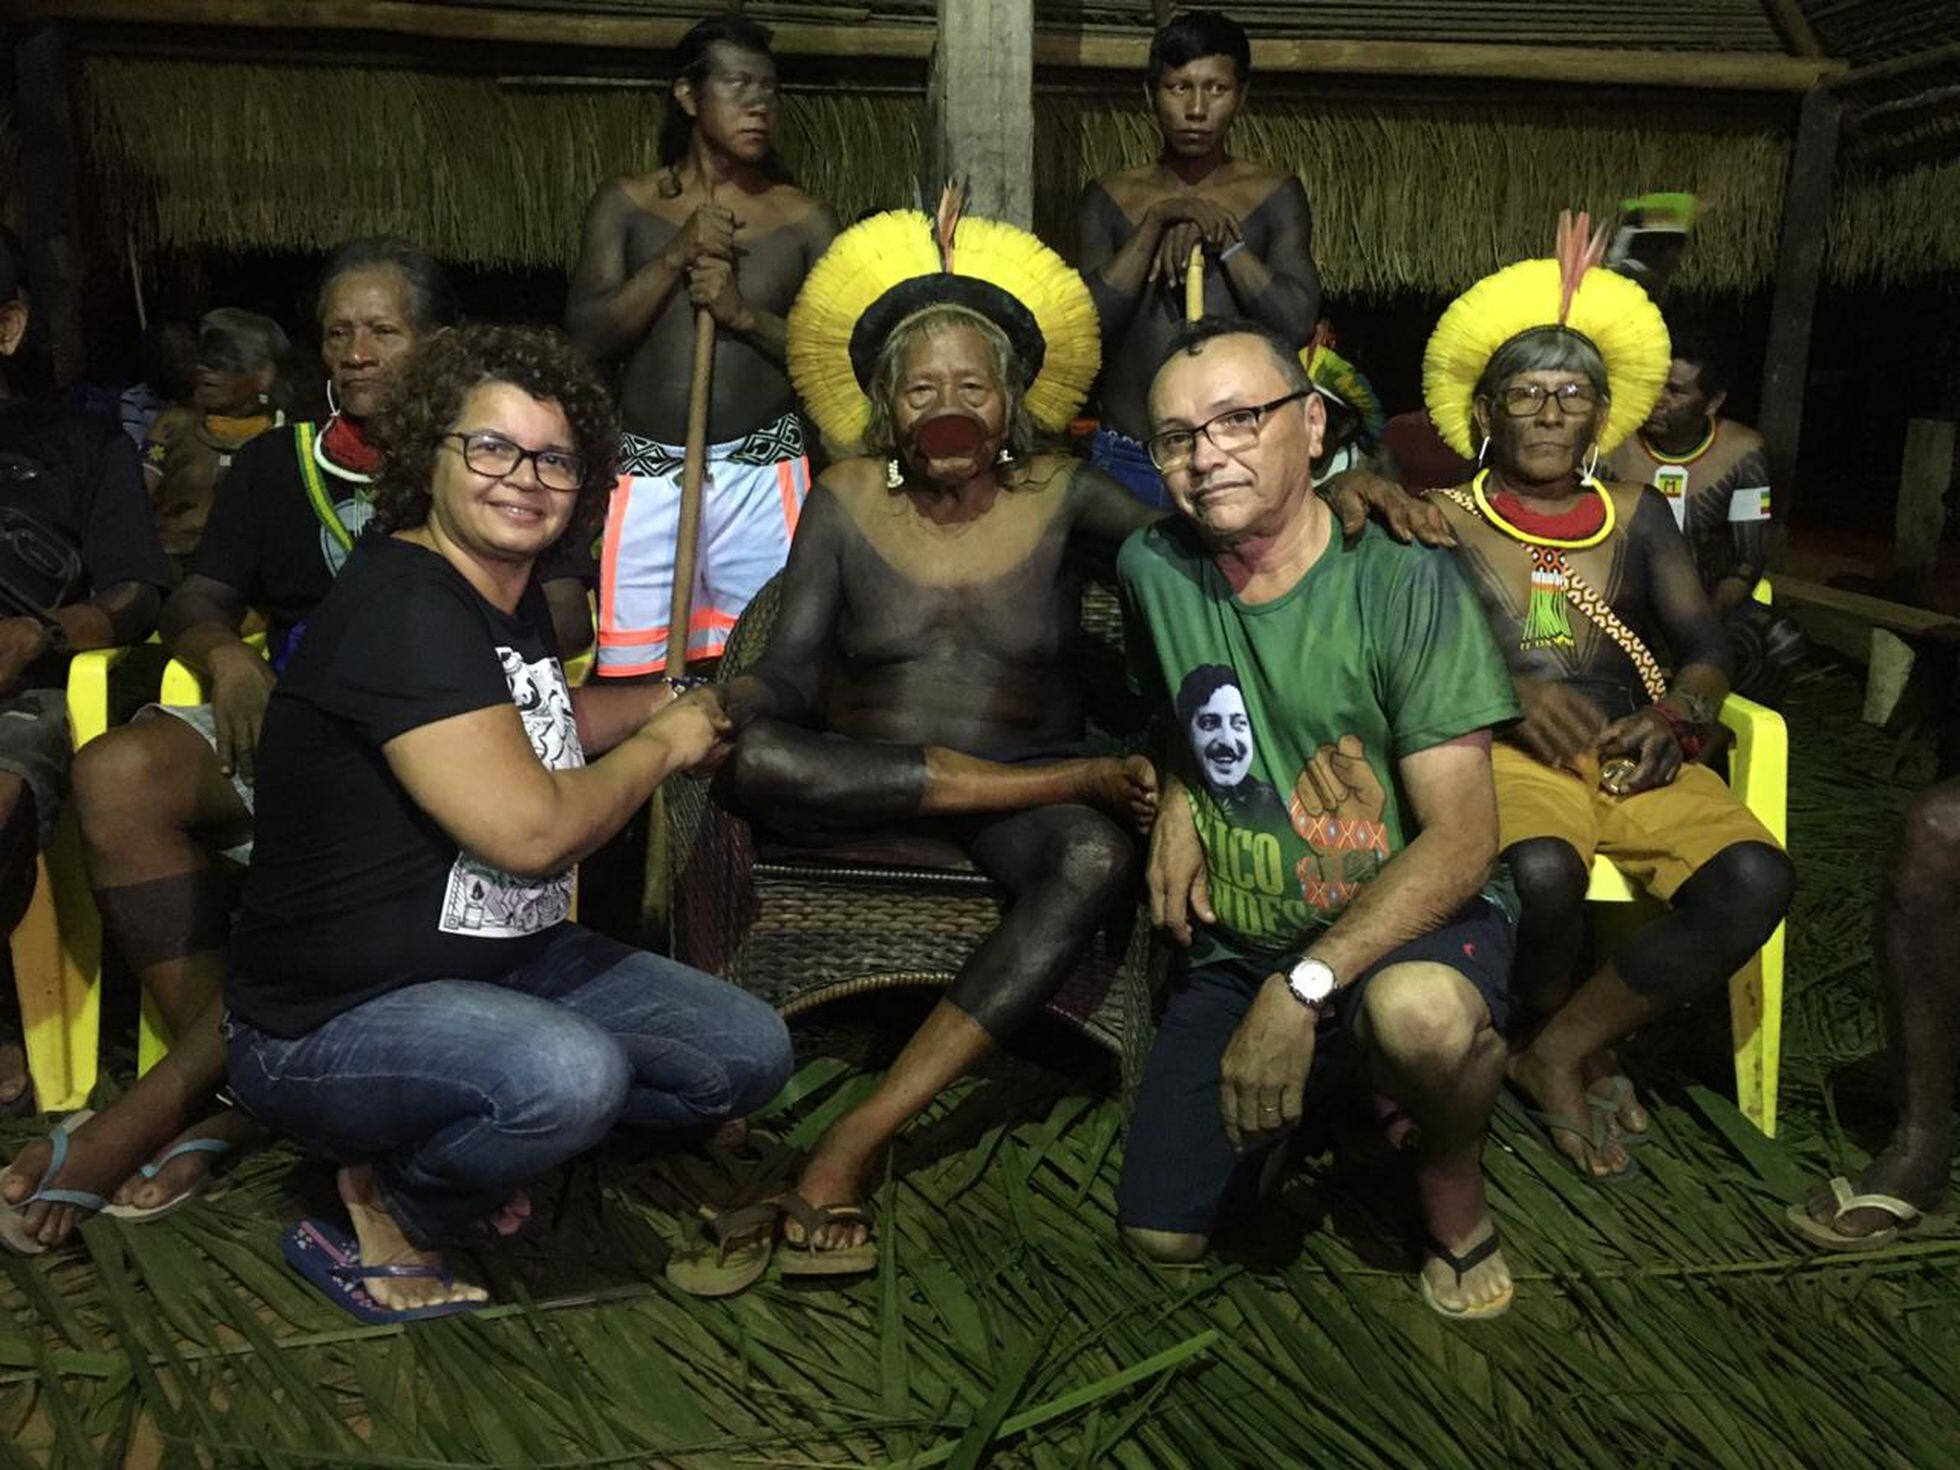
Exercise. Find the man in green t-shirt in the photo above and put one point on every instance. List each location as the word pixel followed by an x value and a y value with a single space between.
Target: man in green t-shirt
pixel 1328 818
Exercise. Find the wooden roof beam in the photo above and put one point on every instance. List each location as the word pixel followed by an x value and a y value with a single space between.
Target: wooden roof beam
pixel 1127 51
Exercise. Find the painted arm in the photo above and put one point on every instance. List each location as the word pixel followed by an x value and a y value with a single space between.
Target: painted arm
pixel 785 681
pixel 608 309
pixel 1282 288
pixel 1649 737
pixel 1749 522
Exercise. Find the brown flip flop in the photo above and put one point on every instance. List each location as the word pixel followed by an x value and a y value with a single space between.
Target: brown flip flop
pixel 731 1253
pixel 805 1258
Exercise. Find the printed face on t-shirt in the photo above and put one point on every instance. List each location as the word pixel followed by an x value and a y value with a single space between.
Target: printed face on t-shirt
pixel 1221 735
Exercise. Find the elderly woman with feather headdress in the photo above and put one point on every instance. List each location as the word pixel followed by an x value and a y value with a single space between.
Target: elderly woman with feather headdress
pixel 1536 372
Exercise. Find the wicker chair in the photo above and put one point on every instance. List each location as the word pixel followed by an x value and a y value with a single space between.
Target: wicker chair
pixel 801 928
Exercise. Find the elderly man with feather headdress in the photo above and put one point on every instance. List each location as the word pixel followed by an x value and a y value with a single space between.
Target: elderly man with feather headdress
pixel 1537 372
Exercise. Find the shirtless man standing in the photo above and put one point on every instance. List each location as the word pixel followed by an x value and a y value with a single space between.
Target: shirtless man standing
pixel 718 226
pixel 1714 475
pixel 1136 230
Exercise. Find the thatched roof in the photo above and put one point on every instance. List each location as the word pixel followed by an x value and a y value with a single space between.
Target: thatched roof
pixel 437 137
pixel 1409 195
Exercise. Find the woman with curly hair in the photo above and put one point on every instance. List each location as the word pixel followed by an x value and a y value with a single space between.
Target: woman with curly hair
pixel 407 993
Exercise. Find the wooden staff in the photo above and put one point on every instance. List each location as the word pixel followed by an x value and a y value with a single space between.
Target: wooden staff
pixel 694 465
pixel 1194 284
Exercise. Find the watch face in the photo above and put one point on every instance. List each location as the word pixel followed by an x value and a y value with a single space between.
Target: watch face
pixel 1312 981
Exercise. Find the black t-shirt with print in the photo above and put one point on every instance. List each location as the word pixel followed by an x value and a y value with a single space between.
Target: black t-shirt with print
pixel 265 540
pixel 354 890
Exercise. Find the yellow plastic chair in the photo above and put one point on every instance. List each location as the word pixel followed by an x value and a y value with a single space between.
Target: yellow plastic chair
pixel 57 948
pixel 1759 773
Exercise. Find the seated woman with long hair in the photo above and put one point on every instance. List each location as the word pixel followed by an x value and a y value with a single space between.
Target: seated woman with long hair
pixel 407 994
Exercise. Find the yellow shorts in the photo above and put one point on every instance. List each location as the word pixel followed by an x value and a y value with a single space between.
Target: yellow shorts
pixel 1659 838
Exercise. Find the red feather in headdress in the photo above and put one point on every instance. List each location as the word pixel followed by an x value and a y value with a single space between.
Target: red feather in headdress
pixel 1576 254
pixel 952 204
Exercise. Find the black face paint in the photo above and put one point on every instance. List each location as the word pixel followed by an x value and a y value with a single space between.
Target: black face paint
pixel 951 435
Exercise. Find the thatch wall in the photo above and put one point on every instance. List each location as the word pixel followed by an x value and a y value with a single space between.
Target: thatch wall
pixel 1422 196
pixel 1897 229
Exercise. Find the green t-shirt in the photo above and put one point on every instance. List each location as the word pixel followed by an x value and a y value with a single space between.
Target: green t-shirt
pixel 1290 715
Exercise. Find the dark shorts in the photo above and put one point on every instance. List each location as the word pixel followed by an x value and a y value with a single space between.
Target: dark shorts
pixel 1178 1165
pixel 34 746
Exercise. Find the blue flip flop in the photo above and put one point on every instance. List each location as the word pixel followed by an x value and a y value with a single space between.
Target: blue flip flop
pixel 136 1214
pixel 13 1225
pixel 330 1257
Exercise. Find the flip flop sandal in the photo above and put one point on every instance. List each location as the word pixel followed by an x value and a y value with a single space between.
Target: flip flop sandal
pixel 329 1256
pixel 1825 1235
pixel 1593 1138
pixel 804 1258
pixel 731 1254
pixel 203 1185
pixel 1462 1265
pixel 13 1224
pixel 1608 1095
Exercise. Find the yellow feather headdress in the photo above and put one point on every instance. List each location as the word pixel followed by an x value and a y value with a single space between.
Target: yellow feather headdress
pixel 1571 290
pixel 883 269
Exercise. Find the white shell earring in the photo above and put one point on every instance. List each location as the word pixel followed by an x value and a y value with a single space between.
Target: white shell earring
pixel 894 476
pixel 1483 449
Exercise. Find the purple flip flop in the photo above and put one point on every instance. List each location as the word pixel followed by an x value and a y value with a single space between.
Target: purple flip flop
pixel 328 1255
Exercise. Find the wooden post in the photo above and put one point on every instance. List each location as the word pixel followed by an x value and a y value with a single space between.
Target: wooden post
pixel 1920 519
pixel 48 171
pixel 1799 263
pixel 982 98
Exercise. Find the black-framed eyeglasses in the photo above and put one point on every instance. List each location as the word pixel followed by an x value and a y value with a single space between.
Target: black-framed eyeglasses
pixel 1525 400
pixel 494 455
pixel 1236 428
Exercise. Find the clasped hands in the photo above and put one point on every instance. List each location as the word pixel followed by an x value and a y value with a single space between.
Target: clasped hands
pixel 1560 725
pixel 705 250
pixel 1187 220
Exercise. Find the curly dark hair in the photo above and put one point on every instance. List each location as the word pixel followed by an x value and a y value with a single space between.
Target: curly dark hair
pixel 428 393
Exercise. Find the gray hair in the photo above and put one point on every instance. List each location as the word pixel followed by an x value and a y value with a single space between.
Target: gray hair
pixel 260 339
pixel 881 439
pixel 1543 350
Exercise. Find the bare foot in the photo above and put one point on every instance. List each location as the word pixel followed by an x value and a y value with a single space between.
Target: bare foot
pixel 1603 1066
pixel 1482 1286
pixel 1125 787
pixel 1558 1090
pixel 185 1172
pixel 13 1074
pixel 382 1243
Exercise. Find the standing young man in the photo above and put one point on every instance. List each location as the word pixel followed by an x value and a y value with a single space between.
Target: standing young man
pixel 719 226
pixel 1136 230
pixel 1353 681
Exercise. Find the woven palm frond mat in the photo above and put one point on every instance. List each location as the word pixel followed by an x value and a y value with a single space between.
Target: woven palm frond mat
pixel 1669 1323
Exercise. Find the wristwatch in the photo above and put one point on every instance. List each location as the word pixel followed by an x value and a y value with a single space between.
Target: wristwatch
pixel 1312 983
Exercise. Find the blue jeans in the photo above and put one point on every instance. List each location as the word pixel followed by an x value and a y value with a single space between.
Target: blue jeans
pixel 458 1091
pixel 1124 459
